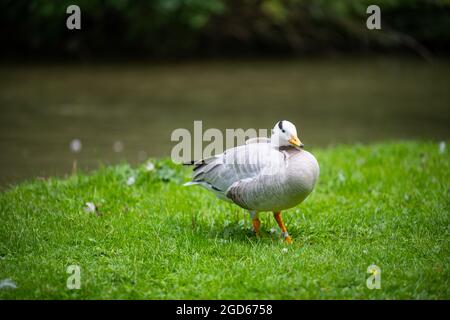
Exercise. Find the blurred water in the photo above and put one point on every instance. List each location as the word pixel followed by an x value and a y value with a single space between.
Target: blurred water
pixel 127 112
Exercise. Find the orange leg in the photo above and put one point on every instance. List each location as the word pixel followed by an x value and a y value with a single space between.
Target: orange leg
pixel 277 216
pixel 256 224
pixel 255 221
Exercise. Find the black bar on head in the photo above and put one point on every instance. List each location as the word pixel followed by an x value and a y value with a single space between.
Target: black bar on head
pixel 280 125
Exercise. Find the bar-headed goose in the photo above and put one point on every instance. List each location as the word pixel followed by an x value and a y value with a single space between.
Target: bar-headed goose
pixel 263 175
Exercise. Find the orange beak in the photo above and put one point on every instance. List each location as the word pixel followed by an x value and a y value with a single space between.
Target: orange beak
pixel 295 141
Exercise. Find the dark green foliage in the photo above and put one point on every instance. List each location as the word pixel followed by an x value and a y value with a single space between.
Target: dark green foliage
pixel 162 28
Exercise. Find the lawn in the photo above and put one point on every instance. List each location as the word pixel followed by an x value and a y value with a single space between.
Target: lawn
pixel 385 204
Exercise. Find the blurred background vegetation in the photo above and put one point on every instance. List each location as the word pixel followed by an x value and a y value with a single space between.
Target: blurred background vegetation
pixel 137 70
pixel 198 28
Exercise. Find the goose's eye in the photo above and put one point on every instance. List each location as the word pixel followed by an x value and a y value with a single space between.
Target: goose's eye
pixel 284 131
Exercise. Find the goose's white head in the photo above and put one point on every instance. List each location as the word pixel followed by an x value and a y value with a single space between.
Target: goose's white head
pixel 285 134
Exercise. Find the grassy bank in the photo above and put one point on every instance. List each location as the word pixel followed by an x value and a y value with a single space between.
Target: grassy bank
pixel 384 204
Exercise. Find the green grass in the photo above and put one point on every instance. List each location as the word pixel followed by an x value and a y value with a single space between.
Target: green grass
pixel 384 204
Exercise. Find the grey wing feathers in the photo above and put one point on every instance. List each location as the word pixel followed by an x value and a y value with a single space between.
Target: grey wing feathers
pixel 245 162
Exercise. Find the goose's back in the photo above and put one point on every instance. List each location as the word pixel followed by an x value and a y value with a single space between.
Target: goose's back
pixel 260 177
pixel 281 190
pixel 237 164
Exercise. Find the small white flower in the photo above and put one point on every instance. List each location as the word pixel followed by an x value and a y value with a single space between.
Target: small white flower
pixel 7 284
pixel 149 166
pixel 273 230
pixel 90 207
pixel 365 251
pixel 284 250
pixel 118 146
pixel 131 180
pixel 341 176
pixel 75 145
pixel 442 147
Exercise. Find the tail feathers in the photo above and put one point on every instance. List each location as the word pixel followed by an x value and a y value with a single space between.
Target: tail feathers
pixel 200 163
pixel 190 183
pixel 207 185
pixel 196 162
